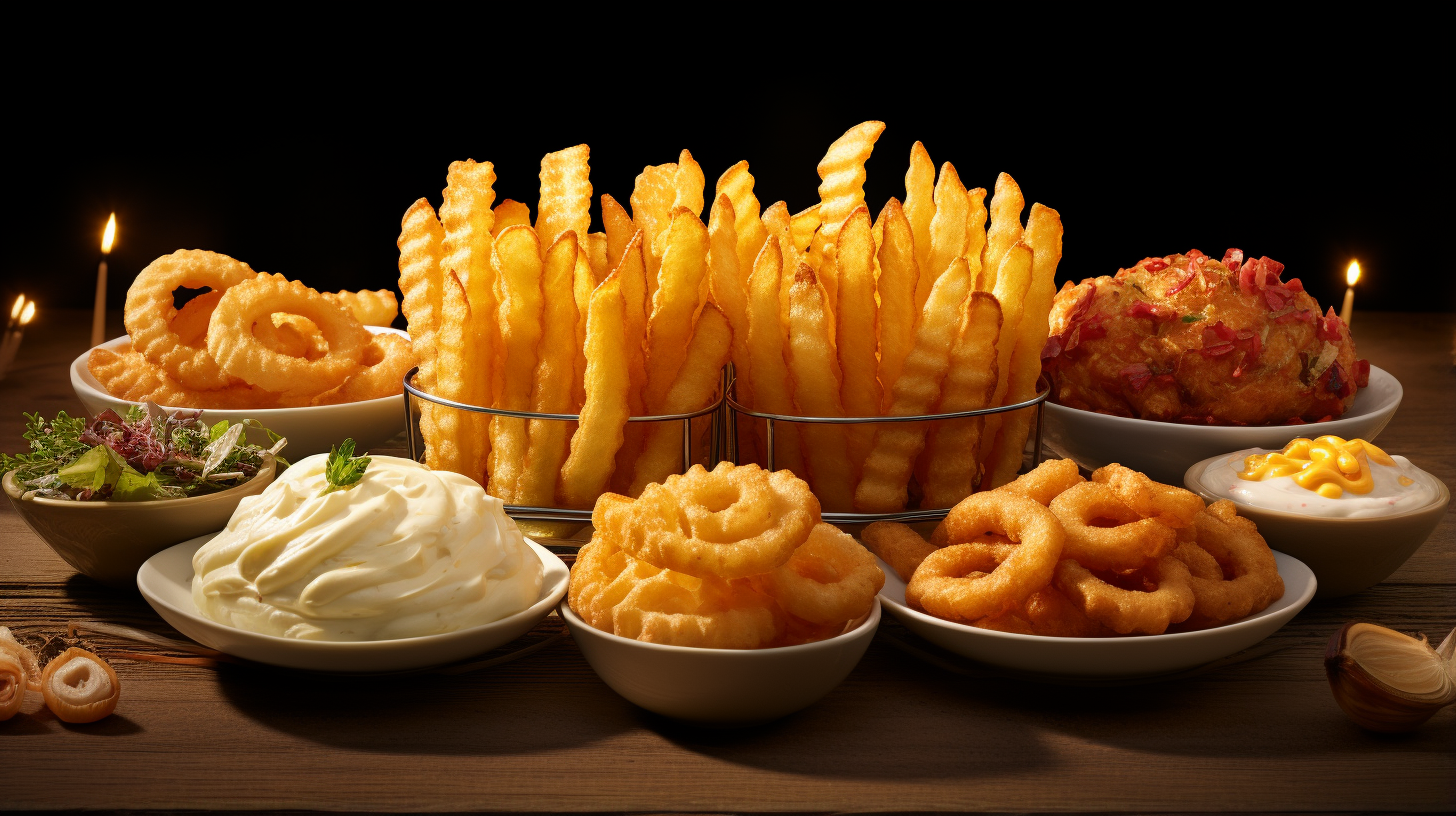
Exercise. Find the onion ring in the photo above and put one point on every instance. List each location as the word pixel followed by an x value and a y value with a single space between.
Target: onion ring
pixel 1235 543
pixel 381 374
pixel 943 585
pixel 751 521
pixel 1047 613
pixel 131 377
pixel 1129 611
pixel 149 313
pixel 829 579
pixel 1047 481
pixel 371 307
pixel 1173 506
pixel 1125 546
pixel 191 320
pixel 231 341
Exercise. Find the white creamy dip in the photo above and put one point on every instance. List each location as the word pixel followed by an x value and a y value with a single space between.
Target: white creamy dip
pixel 405 551
pixel 1387 498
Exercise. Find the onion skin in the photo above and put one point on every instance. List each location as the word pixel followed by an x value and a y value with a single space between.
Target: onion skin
pixel 12 686
pixel 1370 703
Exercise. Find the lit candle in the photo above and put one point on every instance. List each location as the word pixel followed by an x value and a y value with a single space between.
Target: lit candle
pixel 1351 275
pixel 11 344
pixel 98 317
pixel 15 313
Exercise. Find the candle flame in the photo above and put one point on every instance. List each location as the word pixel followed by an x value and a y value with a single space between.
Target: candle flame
pixel 15 310
pixel 1353 273
pixel 28 313
pixel 109 236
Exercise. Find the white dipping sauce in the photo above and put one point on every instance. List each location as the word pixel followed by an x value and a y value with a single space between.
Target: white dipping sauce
pixel 1389 497
pixel 406 551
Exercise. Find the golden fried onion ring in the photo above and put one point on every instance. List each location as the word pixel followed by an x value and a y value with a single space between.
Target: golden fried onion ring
pixel 1165 598
pixel 131 377
pixel 947 585
pixel 897 545
pixel 731 522
pixel 1127 545
pixel 149 313
pixel 829 579
pixel 1173 506
pixel 231 341
pixel 1235 544
pixel 381 372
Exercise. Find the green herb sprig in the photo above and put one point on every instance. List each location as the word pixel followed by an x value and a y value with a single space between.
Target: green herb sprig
pixel 1192 318
pixel 344 469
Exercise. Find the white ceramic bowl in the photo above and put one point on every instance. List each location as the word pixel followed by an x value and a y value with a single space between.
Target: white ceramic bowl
pixel 1165 450
pixel 310 430
pixel 721 687
pixel 165 580
pixel 1133 656
pixel 1348 555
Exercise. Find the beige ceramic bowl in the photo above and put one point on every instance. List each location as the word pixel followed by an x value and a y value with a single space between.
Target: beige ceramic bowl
pixel 109 541
pixel 721 687
pixel 1347 554
pixel 309 430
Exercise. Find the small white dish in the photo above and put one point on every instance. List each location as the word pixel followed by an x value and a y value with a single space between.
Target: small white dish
pixel 721 687
pixel 165 580
pixel 309 429
pixel 1165 450
pixel 1132 656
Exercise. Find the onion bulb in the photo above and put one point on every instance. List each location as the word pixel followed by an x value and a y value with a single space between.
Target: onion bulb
pixel 9 645
pixel 12 686
pixel 79 687
pixel 1387 681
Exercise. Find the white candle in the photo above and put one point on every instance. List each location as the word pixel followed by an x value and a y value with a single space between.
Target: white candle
pixel 98 315
pixel 1352 274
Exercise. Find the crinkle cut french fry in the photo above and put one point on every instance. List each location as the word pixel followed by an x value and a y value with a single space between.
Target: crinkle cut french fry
pixel 857 325
pixel 1044 237
pixel 583 282
pixel 1004 230
pixel 688 183
pixel 652 197
pixel 777 221
pixel 508 214
pixel 420 281
pixel 897 282
pixel 952 445
pixel 632 272
pixel 565 199
pixel 920 209
pixel 803 225
pixel 814 372
pixel 1012 281
pixel 467 218
pixel 552 389
pixel 841 192
pixel 517 261
pixel 737 183
pixel 976 235
pixel 619 229
pixel 726 287
pixel 675 305
pixel 596 253
pixel 594 446
pixel 947 228
pixel 768 371
pixel 449 446
pixel 694 389
pixel 887 469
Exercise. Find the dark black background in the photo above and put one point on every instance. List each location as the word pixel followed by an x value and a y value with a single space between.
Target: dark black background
pixel 1312 158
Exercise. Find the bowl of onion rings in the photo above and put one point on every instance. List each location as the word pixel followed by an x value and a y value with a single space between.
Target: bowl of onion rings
pixel 309 429
pixel 1138 656
pixel 1165 450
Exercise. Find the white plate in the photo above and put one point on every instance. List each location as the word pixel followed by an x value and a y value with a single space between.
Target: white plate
pixel 165 580
pixel 310 429
pixel 1165 450
pixel 1133 656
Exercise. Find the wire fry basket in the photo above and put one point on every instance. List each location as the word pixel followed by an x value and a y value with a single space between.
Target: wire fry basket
pixel 564 514
pixel 733 409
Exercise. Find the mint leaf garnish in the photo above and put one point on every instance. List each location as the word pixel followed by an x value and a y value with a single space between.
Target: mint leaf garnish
pixel 344 468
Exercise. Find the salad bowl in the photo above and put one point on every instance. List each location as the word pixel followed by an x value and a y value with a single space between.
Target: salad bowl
pixel 110 540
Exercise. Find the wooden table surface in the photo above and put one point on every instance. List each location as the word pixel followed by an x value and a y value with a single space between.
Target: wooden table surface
pixel 901 734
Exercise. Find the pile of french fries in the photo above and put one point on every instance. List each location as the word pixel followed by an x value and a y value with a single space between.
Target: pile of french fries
pixel 925 309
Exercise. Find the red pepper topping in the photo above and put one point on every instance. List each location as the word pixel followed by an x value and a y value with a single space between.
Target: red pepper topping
pixel 1329 326
pixel 1094 328
pixel 1294 285
pixel 1301 315
pixel 1137 376
pixel 1232 258
pixel 1154 264
pixel 1362 373
pixel 1336 382
pixel 1182 284
pixel 1159 313
pixel 1052 348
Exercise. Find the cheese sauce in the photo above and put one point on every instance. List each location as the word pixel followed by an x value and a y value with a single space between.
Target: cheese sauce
pixel 1328 476
pixel 404 552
